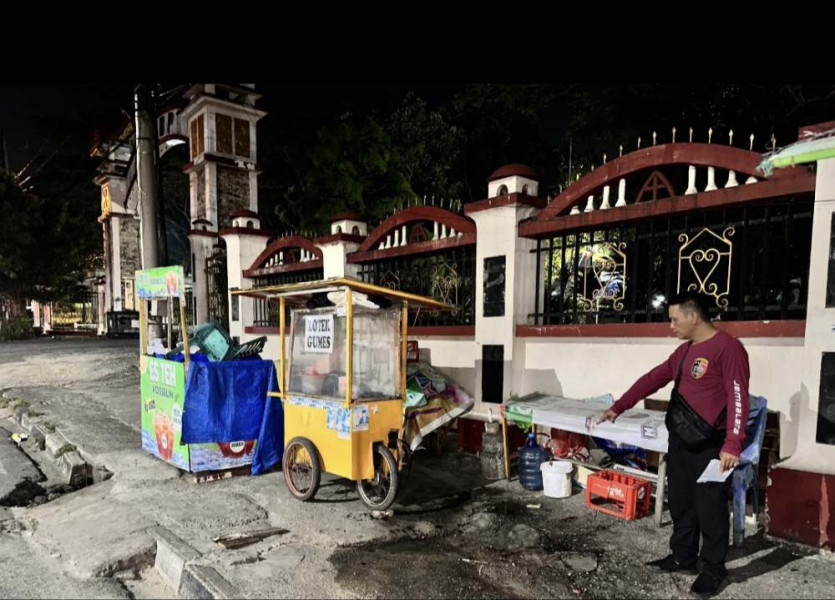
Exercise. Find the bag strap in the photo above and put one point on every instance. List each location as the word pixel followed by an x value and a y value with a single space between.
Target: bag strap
pixel 681 363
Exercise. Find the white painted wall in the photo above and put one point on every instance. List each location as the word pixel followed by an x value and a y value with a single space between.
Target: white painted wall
pixel 347 226
pixel 820 333
pixel 514 186
pixel 585 367
pixel 334 259
pixel 201 246
pixel 241 250
pixel 116 271
pixel 498 236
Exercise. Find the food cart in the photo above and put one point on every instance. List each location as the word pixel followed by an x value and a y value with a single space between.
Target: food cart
pixel 342 380
pixel 163 371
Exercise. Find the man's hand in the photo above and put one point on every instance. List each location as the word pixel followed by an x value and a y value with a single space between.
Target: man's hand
pixel 727 462
pixel 609 415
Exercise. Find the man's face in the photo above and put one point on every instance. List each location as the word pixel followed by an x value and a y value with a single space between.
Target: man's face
pixel 683 322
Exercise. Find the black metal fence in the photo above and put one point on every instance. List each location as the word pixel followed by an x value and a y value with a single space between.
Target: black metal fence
pixel 447 275
pixel 218 288
pixel 265 312
pixel 751 261
pixel 79 312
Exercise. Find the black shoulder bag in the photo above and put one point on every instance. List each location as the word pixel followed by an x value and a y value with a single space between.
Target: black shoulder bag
pixel 685 423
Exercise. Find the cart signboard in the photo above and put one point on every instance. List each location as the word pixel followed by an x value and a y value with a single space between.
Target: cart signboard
pixel 159 283
pixel 162 385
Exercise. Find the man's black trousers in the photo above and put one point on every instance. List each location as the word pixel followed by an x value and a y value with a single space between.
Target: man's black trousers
pixel 697 508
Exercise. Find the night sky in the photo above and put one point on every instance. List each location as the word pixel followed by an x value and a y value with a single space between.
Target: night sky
pixel 29 113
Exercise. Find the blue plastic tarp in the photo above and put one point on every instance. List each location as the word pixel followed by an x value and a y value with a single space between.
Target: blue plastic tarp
pixel 228 402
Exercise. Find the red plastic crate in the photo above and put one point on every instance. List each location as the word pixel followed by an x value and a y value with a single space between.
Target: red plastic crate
pixel 618 494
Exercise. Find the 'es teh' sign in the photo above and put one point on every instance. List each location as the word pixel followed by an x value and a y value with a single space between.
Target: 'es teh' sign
pixel 318 334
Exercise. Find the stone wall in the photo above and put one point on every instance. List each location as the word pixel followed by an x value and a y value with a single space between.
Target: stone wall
pixel 232 193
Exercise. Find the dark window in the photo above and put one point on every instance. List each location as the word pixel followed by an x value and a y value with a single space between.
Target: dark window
pixel 236 307
pixel 492 374
pixel 494 286
pixel 826 400
pixel 223 123
pixel 830 276
pixel 197 139
pixel 242 137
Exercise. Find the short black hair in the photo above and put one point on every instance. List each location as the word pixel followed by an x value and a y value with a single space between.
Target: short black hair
pixel 692 301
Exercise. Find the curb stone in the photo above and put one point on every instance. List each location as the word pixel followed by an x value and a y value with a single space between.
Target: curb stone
pixel 174 564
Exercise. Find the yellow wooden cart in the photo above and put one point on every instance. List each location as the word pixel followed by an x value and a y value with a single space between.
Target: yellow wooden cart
pixel 344 386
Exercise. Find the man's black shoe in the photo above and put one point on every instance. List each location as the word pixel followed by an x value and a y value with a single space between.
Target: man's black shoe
pixel 707 586
pixel 669 564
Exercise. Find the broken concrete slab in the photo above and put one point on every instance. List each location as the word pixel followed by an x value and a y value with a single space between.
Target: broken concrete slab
pixel 205 583
pixel 136 466
pixel 54 442
pixel 95 534
pixel 284 558
pixel 172 556
pixel 75 469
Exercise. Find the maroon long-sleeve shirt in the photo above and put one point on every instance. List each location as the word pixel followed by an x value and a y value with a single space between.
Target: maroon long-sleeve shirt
pixel 714 375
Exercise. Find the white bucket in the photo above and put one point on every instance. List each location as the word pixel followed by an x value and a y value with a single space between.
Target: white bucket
pixel 556 478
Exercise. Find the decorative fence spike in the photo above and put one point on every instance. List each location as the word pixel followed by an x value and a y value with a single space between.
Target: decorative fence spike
pixel 674 135
pixel 709 135
pixel 691 135
pixel 654 135
pixel 751 145
pixel 731 137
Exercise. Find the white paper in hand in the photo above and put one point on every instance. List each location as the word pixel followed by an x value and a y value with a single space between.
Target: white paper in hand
pixel 712 473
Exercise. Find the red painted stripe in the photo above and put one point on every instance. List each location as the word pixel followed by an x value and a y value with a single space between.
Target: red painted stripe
pixel 449 330
pixel 740 329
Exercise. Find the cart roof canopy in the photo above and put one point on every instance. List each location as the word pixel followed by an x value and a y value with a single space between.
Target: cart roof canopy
pixel 299 293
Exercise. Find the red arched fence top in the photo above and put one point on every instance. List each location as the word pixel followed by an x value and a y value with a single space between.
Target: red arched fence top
pixel 416 214
pixel 743 162
pixel 285 243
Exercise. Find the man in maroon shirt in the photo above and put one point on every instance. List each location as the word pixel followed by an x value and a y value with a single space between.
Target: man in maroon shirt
pixel 711 371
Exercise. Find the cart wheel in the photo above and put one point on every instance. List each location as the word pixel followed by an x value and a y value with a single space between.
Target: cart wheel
pixel 379 493
pixel 302 469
